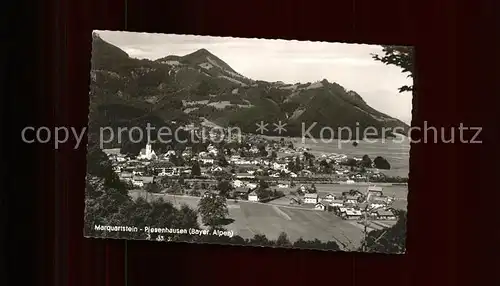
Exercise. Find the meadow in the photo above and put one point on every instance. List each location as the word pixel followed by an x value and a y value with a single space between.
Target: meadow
pixel 269 219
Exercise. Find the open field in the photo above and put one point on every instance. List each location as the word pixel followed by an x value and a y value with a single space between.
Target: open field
pixel 400 204
pixel 283 201
pixel 270 220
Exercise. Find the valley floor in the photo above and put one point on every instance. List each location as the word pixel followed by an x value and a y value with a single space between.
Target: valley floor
pixel 270 219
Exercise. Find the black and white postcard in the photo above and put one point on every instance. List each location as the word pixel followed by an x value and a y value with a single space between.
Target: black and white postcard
pixel 252 142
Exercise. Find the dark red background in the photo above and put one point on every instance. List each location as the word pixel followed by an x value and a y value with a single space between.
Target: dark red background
pixel 450 239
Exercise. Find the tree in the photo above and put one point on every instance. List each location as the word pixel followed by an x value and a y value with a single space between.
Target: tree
pixel 177 160
pixel 308 156
pixel 315 244
pixel 274 155
pixel 103 205
pixel 325 166
pixel 195 169
pixel 263 194
pixel 283 240
pixel 195 193
pixel 262 150
pixel 99 165
pixel 298 165
pixel 175 189
pixel 205 88
pixel 224 187
pixel 300 192
pixel 352 162
pixel 400 56
pixel 129 148
pixel 311 163
pixel 261 240
pixel 213 210
pixel 187 217
pixel 221 160
pixel 353 192
pixel 263 185
pixel 313 189
pixel 366 161
pixel 381 163
pixel 390 240
pixel 278 194
pixel 164 182
pixel 107 206
pixel 152 188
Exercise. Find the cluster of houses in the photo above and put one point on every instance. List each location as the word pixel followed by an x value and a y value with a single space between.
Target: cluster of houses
pixel 270 166
pixel 352 205
pixel 136 179
pixel 248 167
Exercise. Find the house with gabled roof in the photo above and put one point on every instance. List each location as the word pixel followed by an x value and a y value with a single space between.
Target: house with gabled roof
pixel 337 203
pixel 385 215
pixel 311 198
pixel 329 198
pixel 322 206
pixel 375 191
pixel 350 213
pixel 253 197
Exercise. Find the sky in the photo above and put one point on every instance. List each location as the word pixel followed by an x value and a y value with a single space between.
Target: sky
pixel 350 65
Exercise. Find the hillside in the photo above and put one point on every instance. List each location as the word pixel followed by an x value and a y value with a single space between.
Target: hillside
pixel 177 90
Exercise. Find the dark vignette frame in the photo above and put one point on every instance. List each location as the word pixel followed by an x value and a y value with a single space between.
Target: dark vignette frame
pixel 439 258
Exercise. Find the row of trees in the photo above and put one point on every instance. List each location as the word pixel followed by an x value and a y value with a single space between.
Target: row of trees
pixel 366 162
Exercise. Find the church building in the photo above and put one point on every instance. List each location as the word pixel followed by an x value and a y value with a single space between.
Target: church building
pixel 147 153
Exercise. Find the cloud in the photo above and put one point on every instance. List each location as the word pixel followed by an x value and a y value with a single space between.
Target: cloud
pixel 136 52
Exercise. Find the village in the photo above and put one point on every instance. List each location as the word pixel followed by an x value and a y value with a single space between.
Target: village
pixel 272 172
pixel 182 140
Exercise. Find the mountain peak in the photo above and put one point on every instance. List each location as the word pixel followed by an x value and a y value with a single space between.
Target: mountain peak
pixel 200 54
pixel 204 51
